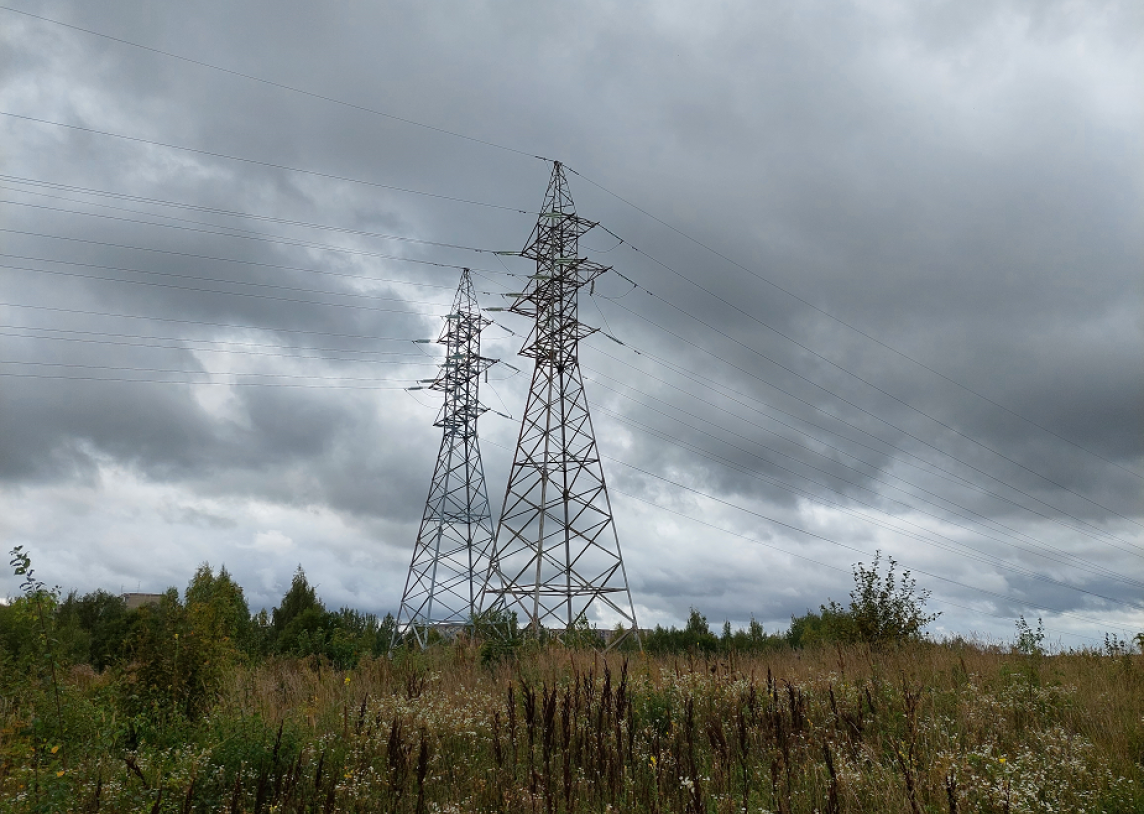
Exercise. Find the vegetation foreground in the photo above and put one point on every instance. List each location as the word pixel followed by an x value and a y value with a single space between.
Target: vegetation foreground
pixel 919 728
pixel 160 710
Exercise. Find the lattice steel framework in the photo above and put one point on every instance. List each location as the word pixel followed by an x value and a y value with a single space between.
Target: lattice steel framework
pixel 556 555
pixel 451 555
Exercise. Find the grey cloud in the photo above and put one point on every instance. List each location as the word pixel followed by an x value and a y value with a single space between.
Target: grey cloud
pixel 949 179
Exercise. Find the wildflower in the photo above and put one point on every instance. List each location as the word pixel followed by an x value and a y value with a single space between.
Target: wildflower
pixel 347 679
pixel 55 749
pixel 60 773
pixel 1001 759
pixel 653 761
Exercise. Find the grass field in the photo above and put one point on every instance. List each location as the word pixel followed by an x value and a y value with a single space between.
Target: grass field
pixel 919 728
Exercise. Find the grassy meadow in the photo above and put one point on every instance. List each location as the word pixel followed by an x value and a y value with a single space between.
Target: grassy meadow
pixel 920 727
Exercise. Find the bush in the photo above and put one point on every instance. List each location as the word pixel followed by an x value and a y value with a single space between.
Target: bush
pixel 883 609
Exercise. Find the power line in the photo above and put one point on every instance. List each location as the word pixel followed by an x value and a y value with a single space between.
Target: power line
pixel 973 553
pixel 235 233
pixel 522 152
pixel 281 85
pixel 764 544
pixel 231 293
pixel 325 385
pixel 236 282
pixel 640 209
pixel 175 275
pixel 848 547
pixel 227 281
pixel 200 340
pixel 246 262
pixel 840 321
pixel 803 557
pixel 970 516
pixel 689 313
pixel 125 369
pixel 268 164
pixel 454 245
pixel 960 480
pixel 212 210
pixel 275 329
pixel 724 389
pixel 842 369
pixel 863 410
pixel 325 357
pixel 289 288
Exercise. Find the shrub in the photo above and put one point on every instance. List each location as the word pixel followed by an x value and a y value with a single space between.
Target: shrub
pixel 883 609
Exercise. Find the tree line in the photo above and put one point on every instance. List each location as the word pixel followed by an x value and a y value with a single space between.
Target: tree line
pixel 183 643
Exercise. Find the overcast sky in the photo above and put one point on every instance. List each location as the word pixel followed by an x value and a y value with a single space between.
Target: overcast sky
pixel 888 259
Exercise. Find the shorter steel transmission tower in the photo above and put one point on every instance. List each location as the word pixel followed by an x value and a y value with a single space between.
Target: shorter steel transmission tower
pixel 557 558
pixel 451 555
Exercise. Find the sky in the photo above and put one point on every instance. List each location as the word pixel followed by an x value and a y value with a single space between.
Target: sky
pixel 877 280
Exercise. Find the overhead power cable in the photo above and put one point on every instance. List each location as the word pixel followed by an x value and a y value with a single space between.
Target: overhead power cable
pixel 233 213
pixel 195 277
pixel 244 374
pixel 247 262
pixel 225 231
pixel 361 277
pixel 947 476
pixel 687 312
pixel 268 164
pixel 606 190
pixel 201 340
pixel 325 385
pixel 281 85
pixel 599 186
pixel 840 321
pixel 310 290
pixel 1079 563
pixel 327 354
pixel 869 413
pixel 1014 600
pixel 815 535
pixel 723 389
pixel 755 541
pixel 232 325
pixel 964 513
pixel 231 293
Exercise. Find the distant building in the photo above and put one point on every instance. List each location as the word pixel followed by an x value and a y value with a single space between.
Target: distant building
pixel 136 601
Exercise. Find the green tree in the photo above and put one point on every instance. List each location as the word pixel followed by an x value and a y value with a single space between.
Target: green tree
pixel 33 637
pixel 696 636
pixel 829 624
pixel 217 608
pixel 93 627
pixel 884 608
pixel 299 598
pixel 179 652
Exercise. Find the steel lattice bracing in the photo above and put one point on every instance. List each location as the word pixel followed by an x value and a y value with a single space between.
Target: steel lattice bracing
pixel 557 555
pixel 451 555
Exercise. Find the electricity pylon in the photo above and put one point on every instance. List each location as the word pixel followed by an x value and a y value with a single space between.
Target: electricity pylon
pixel 451 555
pixel 556 556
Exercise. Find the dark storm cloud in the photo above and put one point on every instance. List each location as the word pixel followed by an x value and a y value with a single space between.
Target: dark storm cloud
pixel 949 179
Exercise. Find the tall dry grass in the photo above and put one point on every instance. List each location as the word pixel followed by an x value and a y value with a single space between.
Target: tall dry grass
pixel 921 728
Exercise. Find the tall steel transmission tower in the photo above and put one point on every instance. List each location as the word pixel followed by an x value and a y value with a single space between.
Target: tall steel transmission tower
pixel 451 555
pixel 556 556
